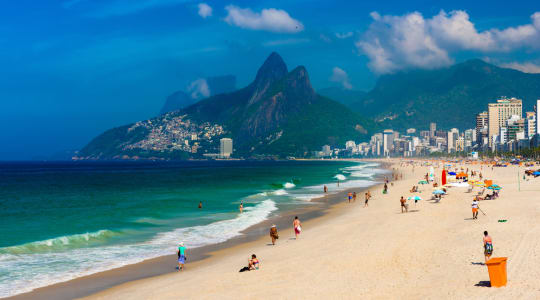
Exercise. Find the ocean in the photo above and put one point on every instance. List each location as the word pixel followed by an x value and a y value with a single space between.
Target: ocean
pixel 60 221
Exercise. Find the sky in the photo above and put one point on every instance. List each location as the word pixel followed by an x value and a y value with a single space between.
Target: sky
pixel 75 68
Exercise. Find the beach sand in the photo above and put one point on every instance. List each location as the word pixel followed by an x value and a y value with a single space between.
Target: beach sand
pixel 434 251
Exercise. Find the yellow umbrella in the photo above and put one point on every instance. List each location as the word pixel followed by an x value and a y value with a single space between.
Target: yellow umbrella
pixel 479 184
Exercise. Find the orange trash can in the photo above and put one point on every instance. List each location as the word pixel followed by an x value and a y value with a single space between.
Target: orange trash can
pixel 497 271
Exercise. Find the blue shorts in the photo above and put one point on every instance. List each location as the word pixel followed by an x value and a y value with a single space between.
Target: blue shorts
pixel 181 259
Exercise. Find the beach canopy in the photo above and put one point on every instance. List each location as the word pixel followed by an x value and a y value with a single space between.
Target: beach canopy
pixel 416 198
pixel 439 192
pixel 461 175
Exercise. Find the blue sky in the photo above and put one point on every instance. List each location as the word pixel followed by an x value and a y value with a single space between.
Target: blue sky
pixel 72 69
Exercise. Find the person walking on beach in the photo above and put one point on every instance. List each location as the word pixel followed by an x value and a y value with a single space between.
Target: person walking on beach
pixel 349 195
pixel 297 226
pixel 274 234
pixel 488 246
pixel 474 206
pixel 181 256
pixel 369 194
pixel 385 190
pixel 354 197
pixel 366 201
pixel 241 207
pixel 403 204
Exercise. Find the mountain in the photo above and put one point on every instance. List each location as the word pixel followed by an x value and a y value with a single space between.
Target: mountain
pixel 341 95
pixel 449 96
pixel 216 85
pixel 279 113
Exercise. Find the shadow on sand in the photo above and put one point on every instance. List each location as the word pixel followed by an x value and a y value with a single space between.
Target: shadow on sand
pixel 483 284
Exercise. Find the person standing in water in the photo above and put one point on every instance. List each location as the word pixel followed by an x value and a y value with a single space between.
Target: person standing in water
pixel 325 189
pixel 200 204
pixel 181 256
pixel 297 226
pixel 488 246
pixel 241 207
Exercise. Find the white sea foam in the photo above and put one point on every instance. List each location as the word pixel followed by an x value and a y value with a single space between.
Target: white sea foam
pixel 289 185
pixel 280 192
pixel 31 270
pixel 340 177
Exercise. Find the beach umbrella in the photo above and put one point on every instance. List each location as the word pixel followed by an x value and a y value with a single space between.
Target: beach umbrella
pixel 437 192
pixel 494 187
pixel 415 198
pixel 452 173
pixel 479 183
pixel 536 173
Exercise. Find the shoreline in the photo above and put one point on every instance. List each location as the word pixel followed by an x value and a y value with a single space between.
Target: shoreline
pixel 326 207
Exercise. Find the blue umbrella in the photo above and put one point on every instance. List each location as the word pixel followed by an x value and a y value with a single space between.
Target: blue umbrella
pixel 536 173
pixel 415 198
pixel 437 192
pixel 495 188
pixel 452 173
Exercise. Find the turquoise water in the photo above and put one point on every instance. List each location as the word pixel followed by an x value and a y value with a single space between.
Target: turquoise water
pixel 60 221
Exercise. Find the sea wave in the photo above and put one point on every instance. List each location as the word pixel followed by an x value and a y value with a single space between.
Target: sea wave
pixel 280 192
pixel 220 231
pixel 31 270
pixel 61 243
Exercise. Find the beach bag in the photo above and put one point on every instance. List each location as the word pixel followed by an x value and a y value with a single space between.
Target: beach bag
pixel 244 269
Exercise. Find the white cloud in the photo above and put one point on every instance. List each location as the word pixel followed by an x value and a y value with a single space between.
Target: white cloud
pixel 339 75
pixel 205 10
pixel 398 42
pixel 269 19
pixel 325 38
pixel 199 89
pixel 527 67
pixel 344 35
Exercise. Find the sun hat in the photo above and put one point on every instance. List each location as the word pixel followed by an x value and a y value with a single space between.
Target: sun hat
pixel 181 244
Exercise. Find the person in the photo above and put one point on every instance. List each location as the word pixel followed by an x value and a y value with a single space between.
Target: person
pixel 253 264
pixel 241 207
pixel 366 201
pixel 488 246
pixel 474 206
pixel 369 194
pixel 181 256
pixel 200 204
pixel 297 226
pixel 403 204
pixel 274 234
pixel 325 189
pixel 385 190
pixel 349 195
pixel 354 197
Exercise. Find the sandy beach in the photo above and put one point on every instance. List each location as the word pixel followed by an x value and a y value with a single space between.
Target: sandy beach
pixel 433 251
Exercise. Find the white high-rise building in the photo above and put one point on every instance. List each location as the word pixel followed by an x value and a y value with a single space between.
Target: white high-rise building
pixel 349 145
pixel 225 147
pixel 388 141
pixel 500 111
pixel 537 116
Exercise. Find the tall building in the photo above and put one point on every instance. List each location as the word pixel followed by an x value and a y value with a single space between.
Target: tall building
pixel 499 112
pixel 481 126
pixel 453 135
pixel 388 141
pixel 432 129
pixel 225 147
pixel 536 108
pixel 530 124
